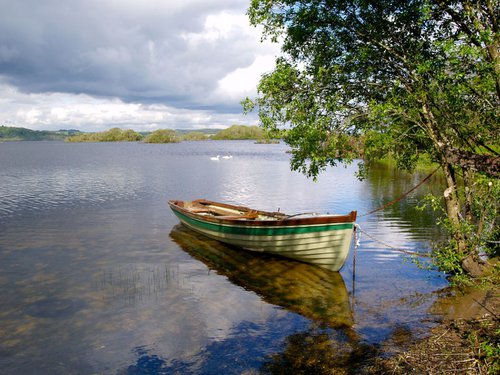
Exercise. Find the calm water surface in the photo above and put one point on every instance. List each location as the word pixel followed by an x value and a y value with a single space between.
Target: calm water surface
pixel 96 275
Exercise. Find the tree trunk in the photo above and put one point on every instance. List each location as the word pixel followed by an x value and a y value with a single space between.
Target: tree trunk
pixel 452 203
pixel 471 263
pixel 468 183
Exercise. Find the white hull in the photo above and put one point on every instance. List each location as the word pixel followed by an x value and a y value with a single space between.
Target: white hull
pixel 327 249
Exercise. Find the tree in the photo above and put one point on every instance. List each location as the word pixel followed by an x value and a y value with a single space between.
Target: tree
pixel 162 136
pixel 240 132
pixel 410 76
pixel 111 135
pixel 195 136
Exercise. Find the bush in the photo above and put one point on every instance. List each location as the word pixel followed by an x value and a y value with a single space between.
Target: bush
pixel 111 135
pixel 162 136
pixel 240 132
pixel 194 136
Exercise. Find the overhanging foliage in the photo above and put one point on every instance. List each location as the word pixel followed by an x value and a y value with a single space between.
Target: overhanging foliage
pixel 406 78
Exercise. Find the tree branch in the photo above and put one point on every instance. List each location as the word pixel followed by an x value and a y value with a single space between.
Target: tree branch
pixel 487 164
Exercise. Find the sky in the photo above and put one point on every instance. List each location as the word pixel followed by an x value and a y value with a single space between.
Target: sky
pixel 93 65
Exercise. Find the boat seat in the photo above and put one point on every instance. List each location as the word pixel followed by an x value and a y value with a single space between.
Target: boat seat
pixel 199 210
pixel 248 216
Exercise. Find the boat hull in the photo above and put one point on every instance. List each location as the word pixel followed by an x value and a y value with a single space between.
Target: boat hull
pixel 317 241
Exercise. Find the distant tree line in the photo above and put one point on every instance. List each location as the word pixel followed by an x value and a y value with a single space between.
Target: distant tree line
pixel 235 132
pixel 9 133
pixel 111 135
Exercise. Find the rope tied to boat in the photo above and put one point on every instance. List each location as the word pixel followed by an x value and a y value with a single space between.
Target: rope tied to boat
pixel 402 196
pixel 357 237
pixel 407 252
pixel 385 244
pixel 379 208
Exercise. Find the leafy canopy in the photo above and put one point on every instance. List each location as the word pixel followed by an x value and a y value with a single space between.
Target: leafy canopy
pixel 409 76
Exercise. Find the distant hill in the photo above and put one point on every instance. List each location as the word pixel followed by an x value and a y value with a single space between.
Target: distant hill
pixel 8 133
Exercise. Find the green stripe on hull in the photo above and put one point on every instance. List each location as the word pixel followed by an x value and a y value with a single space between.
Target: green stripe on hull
pixel 262 231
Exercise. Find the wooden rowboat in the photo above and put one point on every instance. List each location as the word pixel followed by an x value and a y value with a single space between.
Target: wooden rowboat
pixel 323 240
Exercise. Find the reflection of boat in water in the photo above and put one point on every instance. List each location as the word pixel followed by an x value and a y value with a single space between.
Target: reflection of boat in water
pixel 314 292
pixel 323 240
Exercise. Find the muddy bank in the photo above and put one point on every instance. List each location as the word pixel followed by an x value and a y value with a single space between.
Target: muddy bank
pixel 467 341
pixel 464 342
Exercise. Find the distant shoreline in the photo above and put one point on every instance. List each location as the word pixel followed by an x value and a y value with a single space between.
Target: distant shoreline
pixel 235 132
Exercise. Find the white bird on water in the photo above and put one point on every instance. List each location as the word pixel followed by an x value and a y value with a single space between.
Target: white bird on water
pixel 215 158
pixel 227 157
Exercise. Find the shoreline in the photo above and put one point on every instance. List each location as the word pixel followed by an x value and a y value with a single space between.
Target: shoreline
pixel 466 341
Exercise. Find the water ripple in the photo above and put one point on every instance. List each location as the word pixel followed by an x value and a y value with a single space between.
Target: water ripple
pixel 36 190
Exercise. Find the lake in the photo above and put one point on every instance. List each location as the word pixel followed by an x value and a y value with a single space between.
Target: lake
pixel 97 276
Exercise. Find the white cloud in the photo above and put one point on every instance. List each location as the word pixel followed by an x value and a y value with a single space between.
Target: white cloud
pixel 68 111
pixel 242 82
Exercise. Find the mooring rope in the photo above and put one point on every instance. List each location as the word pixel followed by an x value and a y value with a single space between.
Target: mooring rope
pixel 402 196
pixel 358 227
pixel 407 252
pixel 358 231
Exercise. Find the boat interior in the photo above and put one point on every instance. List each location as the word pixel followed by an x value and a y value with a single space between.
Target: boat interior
pixel 224 211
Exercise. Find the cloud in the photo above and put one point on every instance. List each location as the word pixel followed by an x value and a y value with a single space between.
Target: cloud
pixel 242 81
pixel 190 58
pixel 54 111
